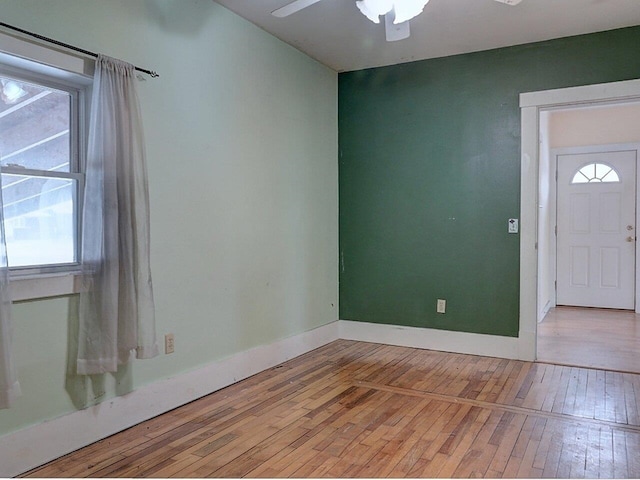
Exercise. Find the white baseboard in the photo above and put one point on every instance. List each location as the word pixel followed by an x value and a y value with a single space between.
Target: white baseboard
pixel 31 447
pixel 527 345
pixel 431 339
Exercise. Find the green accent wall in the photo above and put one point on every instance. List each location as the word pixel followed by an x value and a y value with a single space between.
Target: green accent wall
pixel 429 174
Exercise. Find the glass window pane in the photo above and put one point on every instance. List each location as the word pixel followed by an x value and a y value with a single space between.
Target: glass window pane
pixel 34 126
pixel 579 178
pixel 595 173
pixel 602 170
pixel 39 219
pixel 611 177
pixel 589 171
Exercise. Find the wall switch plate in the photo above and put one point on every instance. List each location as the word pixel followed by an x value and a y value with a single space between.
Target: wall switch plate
pixel 441 306
pixel 513 225
pixel 169 344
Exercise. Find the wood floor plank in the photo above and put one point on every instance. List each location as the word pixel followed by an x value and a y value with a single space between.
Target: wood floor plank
pixel 493 377
pixel 515 383
pixel 356 409
pixel 417 433
pixel 620 459
pixel 552 385
pixel 260 453
pixel 618 395
pixel 427 446
pixel 631 404
pixel 174 467
pixel 499 389
pixel 552 460
pixel 306 466
pixel 633 453
pixel 606 453
pixel 563 388
pixel 580 407
pixel 456 451
pixel 592 463
pixel 524 436
pixel 569 431
pixel 580 449
pixel 538 391
pixel 478 456
pixel 568 406
pixel 601 395
pixel 527 468
pixel 591 338
pixel 542 453
pixel 591 393
pixel 355 457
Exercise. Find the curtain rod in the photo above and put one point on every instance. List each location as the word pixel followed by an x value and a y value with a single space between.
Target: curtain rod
pixel 151 73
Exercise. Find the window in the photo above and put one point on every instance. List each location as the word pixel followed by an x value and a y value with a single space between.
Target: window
pixel 42 181
pixel 596 173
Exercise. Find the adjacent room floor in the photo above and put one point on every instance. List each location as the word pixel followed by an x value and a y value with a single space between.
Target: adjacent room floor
pixel 355 409
pixel 591 337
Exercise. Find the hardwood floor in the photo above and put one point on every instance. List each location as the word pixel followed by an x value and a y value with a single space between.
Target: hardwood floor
pixel 354 409
pixel 591 337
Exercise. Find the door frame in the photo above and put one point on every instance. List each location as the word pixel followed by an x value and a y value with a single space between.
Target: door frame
pixel 531 106
pixel 553 207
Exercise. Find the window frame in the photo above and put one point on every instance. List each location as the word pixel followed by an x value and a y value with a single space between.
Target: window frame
pixel 72 70
pixel 78 87
pixel 595 178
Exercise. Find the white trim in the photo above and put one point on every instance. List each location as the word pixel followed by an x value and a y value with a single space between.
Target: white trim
pixel 431 339
pixel 20 49
pixel 532 104
pixel 529 227
pixel 43 286
pixel 553 243
pixel 33 446
pixel 573 96
pixel 34 62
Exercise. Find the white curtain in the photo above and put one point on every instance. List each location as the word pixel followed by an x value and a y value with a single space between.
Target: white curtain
pixel 9 387
pixel 116 301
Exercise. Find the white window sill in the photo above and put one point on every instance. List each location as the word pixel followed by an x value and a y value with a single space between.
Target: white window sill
pixel 44 286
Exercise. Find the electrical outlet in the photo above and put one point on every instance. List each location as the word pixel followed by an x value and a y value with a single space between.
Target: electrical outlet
pixel 441 306
pixel 169 343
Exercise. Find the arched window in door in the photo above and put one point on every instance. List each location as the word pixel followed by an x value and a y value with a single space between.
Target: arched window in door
pixel 596 173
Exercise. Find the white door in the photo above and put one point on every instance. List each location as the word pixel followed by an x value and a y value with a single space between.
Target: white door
pixel 596 230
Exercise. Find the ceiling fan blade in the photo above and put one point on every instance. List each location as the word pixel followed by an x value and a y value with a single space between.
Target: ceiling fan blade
pixel 293 7
pixel 509 2
pixel 395 32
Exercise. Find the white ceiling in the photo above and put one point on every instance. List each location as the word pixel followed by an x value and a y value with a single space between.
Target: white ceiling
pixel 335 33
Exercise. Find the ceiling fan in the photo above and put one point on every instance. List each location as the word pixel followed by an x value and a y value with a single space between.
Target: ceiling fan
pixel 397 13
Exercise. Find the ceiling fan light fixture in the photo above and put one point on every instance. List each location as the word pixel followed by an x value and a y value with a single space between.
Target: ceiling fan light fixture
pixel 11 91
pixel 404 10
pixel 373 9
pixel 407 9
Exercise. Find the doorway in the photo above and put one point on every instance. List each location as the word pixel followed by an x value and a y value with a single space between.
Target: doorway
pixel 534 109
pixel 586 231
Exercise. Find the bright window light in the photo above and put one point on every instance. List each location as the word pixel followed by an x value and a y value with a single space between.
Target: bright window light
pixel 596 173
pixel 40 178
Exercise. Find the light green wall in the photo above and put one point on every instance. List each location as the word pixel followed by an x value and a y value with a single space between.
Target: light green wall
pixel 241 134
